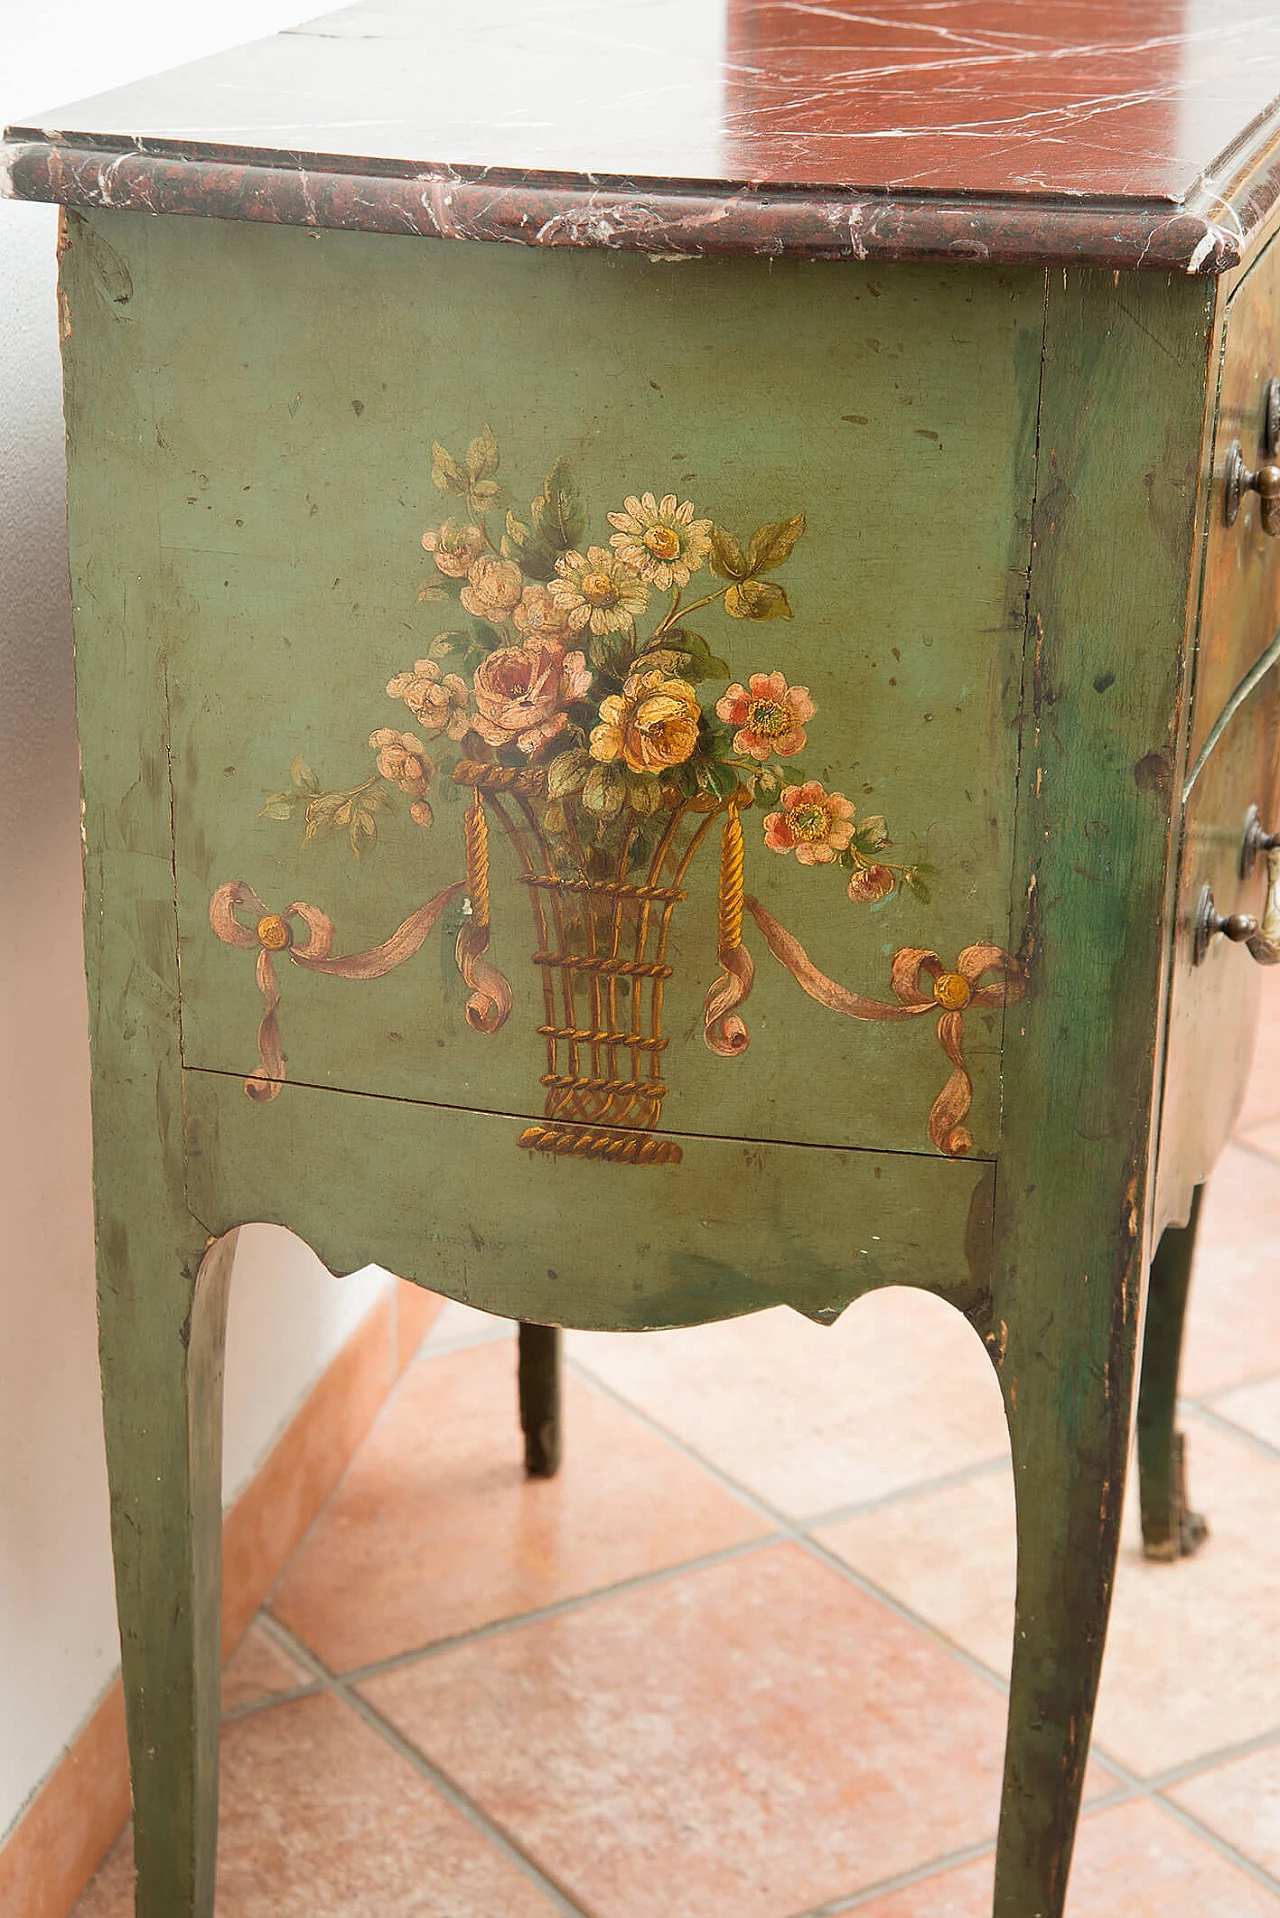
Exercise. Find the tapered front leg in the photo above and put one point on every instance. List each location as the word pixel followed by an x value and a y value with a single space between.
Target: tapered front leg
pixel 540 1398
pixel 162 1319
pixel 1169 1530
pixel 1068 1401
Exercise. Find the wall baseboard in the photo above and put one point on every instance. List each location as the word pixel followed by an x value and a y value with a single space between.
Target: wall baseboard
pixel 81 1808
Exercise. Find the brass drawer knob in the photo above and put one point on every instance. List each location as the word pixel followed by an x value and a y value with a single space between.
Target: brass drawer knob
pixel 1260 938
pixel 1237 480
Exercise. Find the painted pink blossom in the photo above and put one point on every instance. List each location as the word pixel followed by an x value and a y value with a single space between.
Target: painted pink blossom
pixel 871 883
pixel 493 588
pixel 538 616
pixel 769 714
pixel 455 548
pixel 521 693
pixel 813 824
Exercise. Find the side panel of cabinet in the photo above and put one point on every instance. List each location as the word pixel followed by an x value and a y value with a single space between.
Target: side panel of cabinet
pixel 290 387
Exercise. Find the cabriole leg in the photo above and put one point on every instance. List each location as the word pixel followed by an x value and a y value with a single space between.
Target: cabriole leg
pixel 1068 1406
pixel 1169 1530
pixel 162 1323
pixel 540 1398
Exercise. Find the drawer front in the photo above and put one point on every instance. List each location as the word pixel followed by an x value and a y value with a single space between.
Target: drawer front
pixel 1241 597
pixel 1214 1005
pixel 480 856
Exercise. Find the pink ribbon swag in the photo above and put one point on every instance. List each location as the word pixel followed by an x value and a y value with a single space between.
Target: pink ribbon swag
pixel 949 992
pixel 272 933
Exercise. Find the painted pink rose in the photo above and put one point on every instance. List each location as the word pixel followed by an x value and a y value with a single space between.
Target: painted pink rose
pixel 455 548
pixel 813 824
pixel 538 617
pixel 769 714
pixel 871 883
pixel 402 758
pixel 493 588
pixel 438 701
pixel 521 693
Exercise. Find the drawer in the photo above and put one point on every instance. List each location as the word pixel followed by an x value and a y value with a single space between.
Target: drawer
pixel 295 383
pixel 1241 593
pixel 1214 1003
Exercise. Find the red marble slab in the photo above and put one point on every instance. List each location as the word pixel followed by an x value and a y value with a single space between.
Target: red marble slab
pixel 1115 132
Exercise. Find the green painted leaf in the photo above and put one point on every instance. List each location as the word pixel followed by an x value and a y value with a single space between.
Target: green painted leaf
pixel 757 599
pixel 444 645
pixel 700 662
pixel 870 834
pixel 604 791
pixel 482 455
pixel 303 777
pixel 662 659
pixel 644 792
pixel 567 773
pixel 728 561
pixel 771 544
pixel 557 513
pixel 280 806
pixel 446 472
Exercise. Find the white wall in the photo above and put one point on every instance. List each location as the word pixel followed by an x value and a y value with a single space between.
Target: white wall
pixel 58 1646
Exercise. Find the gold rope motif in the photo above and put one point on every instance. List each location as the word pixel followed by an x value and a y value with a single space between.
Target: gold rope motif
pixel 475 834
pixel 731 862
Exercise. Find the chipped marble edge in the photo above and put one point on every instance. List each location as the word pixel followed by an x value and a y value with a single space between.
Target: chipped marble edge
pixel 668 221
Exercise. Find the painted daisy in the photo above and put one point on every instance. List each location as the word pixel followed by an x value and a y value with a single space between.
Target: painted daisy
pixel 660 540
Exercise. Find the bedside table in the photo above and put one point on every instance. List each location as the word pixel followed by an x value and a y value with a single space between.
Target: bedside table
pixel 678 714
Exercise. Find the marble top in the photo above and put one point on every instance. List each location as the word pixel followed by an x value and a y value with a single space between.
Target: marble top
pixel 1125 132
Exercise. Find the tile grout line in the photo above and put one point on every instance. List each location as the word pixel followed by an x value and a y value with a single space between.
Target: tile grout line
pixel 250 1707
pixel 791 1530
pixel 920 1488
pixel 901 1881
pixel 559 1608
pixel 461 1801
pixel 1208 1836
pixel 1210 1761
pixel 1229 1427
pixel 1132 1785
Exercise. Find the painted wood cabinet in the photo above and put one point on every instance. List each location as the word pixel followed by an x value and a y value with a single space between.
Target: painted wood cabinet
pixel 658 737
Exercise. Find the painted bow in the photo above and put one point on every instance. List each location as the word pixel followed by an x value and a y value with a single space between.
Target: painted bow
pixel 273 932
pixel 983 976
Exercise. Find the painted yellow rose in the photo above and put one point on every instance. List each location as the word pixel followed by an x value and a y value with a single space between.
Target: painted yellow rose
pixel 652 724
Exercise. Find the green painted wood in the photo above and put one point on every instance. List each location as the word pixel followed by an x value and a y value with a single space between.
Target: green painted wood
pixel 1101 723
pixel 297 382
pixel 1169 1529
pixel 161 1311
pixel 445 1199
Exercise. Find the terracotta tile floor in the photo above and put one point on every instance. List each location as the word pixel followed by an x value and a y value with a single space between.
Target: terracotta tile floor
pixel 745 1657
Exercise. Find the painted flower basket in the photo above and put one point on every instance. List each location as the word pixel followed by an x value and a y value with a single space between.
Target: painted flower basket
pixel 592 747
